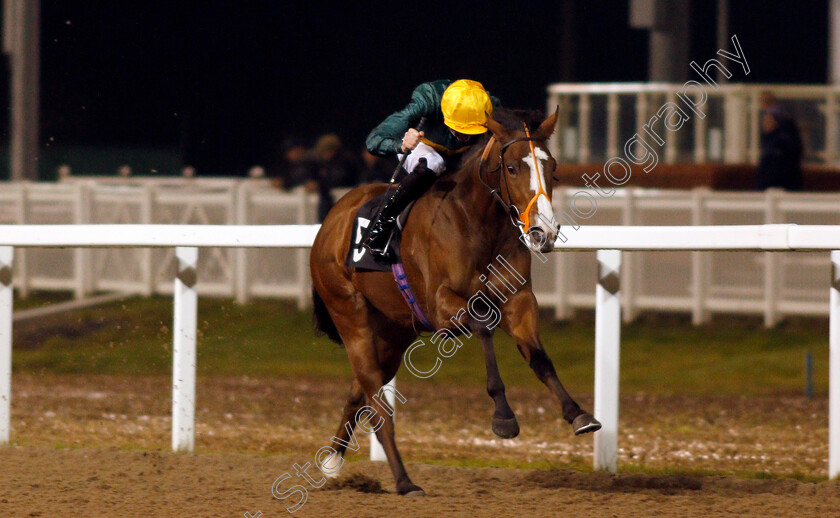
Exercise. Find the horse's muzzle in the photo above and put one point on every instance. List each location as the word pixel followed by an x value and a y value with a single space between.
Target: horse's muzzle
pixel 541 240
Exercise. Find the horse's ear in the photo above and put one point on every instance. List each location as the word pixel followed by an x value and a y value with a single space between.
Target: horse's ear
pixel 495 128
pixel 547 127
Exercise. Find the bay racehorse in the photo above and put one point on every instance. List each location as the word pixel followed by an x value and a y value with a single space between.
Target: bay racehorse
pixel 497 203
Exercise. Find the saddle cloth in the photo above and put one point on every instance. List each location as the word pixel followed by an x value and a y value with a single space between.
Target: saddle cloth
pixel 359 257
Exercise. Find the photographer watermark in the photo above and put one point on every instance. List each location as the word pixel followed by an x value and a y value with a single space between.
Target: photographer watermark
pixel 479 307
pixel 669 118
pixel 503 280
pixel 327 459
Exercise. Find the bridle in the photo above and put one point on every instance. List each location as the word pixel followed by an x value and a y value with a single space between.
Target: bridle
pixel 508 205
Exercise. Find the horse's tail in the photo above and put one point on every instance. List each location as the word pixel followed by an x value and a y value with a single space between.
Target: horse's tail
pixel 323 321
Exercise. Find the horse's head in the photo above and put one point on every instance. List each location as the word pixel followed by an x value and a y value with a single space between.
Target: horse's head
pixel 523 172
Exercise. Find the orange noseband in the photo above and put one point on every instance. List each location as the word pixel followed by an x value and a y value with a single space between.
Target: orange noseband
pixel 526 216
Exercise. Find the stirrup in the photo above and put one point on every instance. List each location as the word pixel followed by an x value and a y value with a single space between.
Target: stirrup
pixel 385 252
pixel 379 237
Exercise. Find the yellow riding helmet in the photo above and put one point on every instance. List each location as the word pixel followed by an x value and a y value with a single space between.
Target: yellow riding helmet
pixel 464 104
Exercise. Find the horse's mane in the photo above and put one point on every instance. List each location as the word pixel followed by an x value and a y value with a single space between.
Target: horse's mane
pixel 510 119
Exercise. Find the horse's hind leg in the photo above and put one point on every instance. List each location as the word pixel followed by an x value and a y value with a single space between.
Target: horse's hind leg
pixel 353 322
pixel 345 436
pixel 519 320
pixel 371 378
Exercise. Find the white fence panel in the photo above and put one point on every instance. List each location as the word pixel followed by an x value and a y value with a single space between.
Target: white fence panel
pixel 770 285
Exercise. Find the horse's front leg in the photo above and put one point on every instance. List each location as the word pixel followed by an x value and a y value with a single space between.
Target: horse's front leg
pixel 451 314
pixel 519 320
pixel 504 421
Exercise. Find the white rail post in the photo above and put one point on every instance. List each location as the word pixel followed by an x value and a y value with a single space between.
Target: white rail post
pixel 231 253
pixel 632 262
pixel 755 127
pixel 607 347
pixel 699 261
pixel 147 268
pixel 834 370
pixel 376 452
pixel 183 350
pixel 584 108
pixel 304 299
pixel 7 254
pixel 772 260
pixel 831 129
pixel 699 139
pixel 641 115
pixel 23 273
pixel 242 282
pixel 613 116
pixel 552 104
pixel 81 259
pixel 671 141
pixel 562 265
pixel 734 126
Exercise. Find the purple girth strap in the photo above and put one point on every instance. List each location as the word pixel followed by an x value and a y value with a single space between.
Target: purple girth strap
pixel 408 295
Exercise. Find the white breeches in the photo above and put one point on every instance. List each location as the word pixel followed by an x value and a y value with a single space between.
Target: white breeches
pixel 433 159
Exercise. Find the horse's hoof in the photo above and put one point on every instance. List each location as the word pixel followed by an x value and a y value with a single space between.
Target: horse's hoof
pixel 411 490
pixel 585 423
pixel 505 428
pixel 332 465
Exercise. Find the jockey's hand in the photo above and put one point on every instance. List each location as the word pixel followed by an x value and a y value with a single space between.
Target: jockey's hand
pixel 411 139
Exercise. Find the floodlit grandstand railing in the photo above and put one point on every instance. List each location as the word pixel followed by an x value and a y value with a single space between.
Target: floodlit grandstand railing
pixel 596 119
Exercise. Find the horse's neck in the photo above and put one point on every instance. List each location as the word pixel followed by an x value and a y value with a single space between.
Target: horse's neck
pixel 471 198
pixel 480 212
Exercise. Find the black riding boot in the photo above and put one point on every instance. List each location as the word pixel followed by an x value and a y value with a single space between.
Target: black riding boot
pixel 409 189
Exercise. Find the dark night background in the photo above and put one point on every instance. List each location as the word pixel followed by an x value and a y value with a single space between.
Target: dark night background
pixel 224 82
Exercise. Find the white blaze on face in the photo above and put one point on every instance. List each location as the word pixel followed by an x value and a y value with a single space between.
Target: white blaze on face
pixel 547 221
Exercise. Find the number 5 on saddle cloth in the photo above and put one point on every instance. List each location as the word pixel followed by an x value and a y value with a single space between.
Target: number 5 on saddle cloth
pixel 358 256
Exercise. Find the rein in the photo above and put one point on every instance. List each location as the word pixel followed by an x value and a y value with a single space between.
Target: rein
pixel 508 205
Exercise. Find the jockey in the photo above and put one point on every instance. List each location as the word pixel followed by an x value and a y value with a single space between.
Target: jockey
pixel 455 113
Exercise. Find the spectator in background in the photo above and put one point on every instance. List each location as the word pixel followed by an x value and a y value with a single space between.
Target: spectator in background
pixel 256 171
pixel 376 168
pixel 333 168
pixel 781 148
pixel 293 167
pixel 64 172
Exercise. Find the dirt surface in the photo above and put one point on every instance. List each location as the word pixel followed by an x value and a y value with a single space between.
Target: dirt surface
pixel 40 481
pixel 99 447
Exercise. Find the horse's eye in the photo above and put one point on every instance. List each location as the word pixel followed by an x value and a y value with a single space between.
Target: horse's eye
pixel 511 169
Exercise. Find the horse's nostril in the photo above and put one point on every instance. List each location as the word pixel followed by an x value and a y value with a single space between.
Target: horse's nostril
pixel 541 239
pixel 538 236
